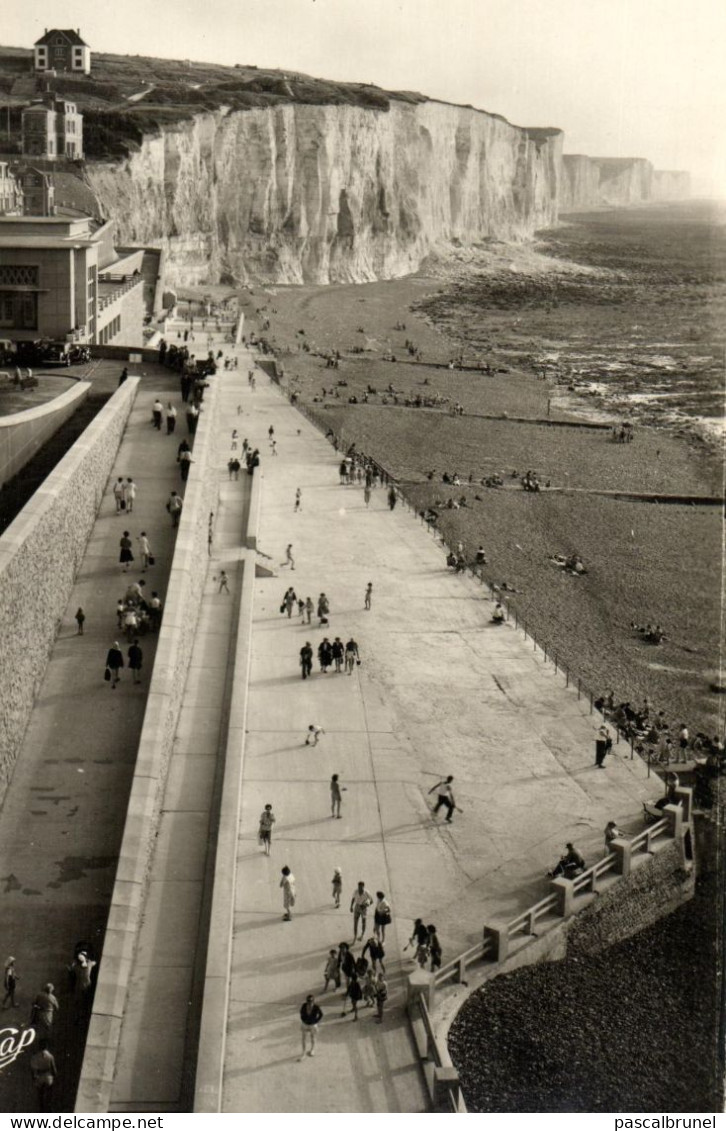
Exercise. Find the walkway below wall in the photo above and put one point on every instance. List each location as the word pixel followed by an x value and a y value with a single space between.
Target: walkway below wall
pixel 64 811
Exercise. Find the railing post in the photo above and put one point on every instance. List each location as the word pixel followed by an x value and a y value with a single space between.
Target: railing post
pixel 564 891
pixel 623 854
pixel 684 794
pixel 499 935
pixel 445 1079
pixel 674 816
pixel 579 688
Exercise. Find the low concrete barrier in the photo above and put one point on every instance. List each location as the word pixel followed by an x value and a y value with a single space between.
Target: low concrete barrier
pixel 23 433
pixel 184 595
pixel 40 554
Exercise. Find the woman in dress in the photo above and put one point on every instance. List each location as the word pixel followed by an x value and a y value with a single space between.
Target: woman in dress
pixel 125 555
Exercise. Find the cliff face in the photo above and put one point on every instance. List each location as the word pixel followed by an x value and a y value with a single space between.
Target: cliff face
pixel 669 184
pixel 301 193
pixel 589 182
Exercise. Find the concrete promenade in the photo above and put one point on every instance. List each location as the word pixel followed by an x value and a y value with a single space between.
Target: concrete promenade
pixel 440 691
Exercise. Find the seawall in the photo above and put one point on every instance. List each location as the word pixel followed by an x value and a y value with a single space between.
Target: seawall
pixel 40 553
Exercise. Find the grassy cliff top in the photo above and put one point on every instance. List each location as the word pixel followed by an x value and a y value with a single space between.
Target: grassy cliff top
pixel 127 96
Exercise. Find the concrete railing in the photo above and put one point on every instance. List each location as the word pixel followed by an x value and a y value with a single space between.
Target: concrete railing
pixel 499 942
pixel 560 903
pixel 442 1078
pixel 166 690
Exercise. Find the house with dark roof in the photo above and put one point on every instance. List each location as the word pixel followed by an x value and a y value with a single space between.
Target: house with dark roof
pixel 62 49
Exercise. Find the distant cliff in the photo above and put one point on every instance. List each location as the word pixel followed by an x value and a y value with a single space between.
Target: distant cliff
pixel 310 193
pixel 670 184
pixel 590 182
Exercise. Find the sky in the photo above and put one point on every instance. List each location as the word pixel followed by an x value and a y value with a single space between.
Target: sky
pixel 622 78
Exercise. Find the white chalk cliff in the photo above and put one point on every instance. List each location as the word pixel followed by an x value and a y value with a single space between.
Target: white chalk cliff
pixel 302 193
pixel 591 182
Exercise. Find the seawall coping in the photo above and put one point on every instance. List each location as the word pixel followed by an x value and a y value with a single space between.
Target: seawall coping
pixel 38 412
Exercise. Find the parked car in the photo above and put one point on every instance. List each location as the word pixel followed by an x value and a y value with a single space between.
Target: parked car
pixel 61 353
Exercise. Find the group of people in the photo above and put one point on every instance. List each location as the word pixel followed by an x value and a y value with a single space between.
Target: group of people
pixel 44 1009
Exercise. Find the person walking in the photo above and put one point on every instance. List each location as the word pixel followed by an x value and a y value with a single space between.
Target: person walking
pixel 144 550
pixel 331 970
pixel 367 494
pixel 156 413
pixel 375 951
pixel 346 961
pixel 392 497
pixel 129 494
pixel 289 559
pixel 309 607
pixel 43 1073
pixel 313 736
pixel 355 993
pixel 267 820
pixel 323 608
pixel 445 798
pixel 368 596
pixel 336 797
pixel 337 883
pixel 223 583
pixel 125 553
pixel 119 495
pixel 174 507
pixel 419 937
pixel 603 746
pixel 298 500
pixel 185 463
pixel 123 376
pixel 192 415
pixel 114 663
pixel 434 947
pixel 352 656
pixel 310 1017
pixel 360 901
pixel 288 601
pixel 10 982
pixel 306 659
pixel 170 418
pixel 337 651
pixel 136 659
pixel 325 654
pixel 287 883
pixel 381 916
pixel 80 620
pixel 381 995
pixel 43 1012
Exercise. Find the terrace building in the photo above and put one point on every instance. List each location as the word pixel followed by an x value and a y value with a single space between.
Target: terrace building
pixel 11 192
pixel 62 50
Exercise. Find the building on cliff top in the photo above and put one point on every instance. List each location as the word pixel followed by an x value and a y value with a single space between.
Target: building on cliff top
pixel 52 128
pixel 62 278
pixel 62 50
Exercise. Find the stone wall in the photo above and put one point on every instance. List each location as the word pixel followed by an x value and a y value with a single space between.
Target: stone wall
pixel 181 612
pixel 40 554
pixel 23 433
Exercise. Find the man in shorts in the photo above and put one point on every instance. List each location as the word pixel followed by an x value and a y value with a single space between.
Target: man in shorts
pixel 310 1017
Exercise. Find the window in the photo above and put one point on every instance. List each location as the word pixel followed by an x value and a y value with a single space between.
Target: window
pixel 18 310
pixel 18 275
